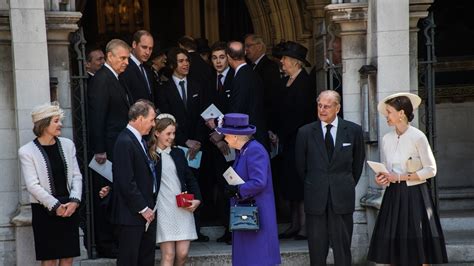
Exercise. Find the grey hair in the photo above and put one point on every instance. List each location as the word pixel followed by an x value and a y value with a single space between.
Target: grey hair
pixel 332 93
pixel 113 44
pixel 140 108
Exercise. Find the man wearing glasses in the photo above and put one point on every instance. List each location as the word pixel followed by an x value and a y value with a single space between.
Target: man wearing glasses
pixel 330 155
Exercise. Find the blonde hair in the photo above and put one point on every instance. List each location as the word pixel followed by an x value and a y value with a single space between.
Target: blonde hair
pixel 160 125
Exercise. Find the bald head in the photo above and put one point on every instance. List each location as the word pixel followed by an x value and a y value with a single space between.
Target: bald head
pixel 235 53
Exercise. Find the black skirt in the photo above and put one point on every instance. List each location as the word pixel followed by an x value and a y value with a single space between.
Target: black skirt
pixel 408 230
pixel 55 237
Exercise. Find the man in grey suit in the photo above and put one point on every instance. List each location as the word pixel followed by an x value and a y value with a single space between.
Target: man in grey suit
pixel 329 157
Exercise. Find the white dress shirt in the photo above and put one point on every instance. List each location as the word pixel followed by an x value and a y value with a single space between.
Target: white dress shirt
pixel 333 129
pixel 176 81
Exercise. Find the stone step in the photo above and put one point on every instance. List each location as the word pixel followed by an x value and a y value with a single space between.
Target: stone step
pixel 457 220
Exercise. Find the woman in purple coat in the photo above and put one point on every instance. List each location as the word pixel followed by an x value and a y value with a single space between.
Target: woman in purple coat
pixel 252 164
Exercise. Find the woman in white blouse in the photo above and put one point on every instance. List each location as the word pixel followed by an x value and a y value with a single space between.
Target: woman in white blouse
pixel 407 231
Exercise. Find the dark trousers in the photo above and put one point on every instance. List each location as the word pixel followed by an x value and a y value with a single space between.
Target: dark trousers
pixel 212 184
pixel 137 247
pixel 105 235
pixel 329 228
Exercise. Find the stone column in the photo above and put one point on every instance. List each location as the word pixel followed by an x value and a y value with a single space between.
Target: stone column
pixel 59 25
pixel 30 87
pixel 316 7
pixel 352 20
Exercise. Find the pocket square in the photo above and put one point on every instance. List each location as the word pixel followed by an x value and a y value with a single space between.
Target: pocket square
pixel 195 95
pixel 346 144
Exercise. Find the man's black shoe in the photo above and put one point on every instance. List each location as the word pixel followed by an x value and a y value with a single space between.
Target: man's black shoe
pixel 227 237
pixel 202 238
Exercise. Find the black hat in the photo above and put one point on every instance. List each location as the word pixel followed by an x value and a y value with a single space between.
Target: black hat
pixel 297 51
pixel 278 49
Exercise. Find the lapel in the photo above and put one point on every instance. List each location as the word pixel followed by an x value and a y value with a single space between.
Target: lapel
pixel 175 94
pixel 139 74
pixel 138 146
pixel 121 88
pixel 179 164
pixel 319 139
pixel 341 132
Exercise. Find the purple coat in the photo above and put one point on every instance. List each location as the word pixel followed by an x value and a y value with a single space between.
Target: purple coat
pixel 261 248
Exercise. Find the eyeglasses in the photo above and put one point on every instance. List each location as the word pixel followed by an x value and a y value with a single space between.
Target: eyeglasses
pixel 325 107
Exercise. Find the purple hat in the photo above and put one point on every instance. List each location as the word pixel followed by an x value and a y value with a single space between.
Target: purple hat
pixel 235 124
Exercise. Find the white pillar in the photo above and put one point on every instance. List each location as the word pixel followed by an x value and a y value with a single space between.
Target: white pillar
pixel 352 19
pixel 30 88
pixel 393 54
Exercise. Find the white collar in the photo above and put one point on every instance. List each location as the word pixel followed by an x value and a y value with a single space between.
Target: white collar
pixel 90 73
pixel 135 133
pixel 177 80
pixel 238 68
pixel 134 59
pixel 111 69
pixel 167 150
pixel 224 73
pixel 333 123
pixel 258 59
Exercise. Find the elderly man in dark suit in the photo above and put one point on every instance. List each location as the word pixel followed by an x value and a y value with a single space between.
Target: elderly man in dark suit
pixel 108 102
pixel 269 72
pixel 246 95
pixel 135 188
pixel 330 155
pixel 138 77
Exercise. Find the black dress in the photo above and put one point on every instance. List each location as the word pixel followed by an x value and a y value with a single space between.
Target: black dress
pixel 408 230
pixel 55 237
pixel 298 108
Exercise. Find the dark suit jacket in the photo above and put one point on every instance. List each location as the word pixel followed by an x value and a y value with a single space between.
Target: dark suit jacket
pixel 185 175
pixel 221 99
pixel 246 97
pixel 108 111
pixel 269 72
pixel 338 175
pixel 199 70
pixel 190 123
pixel 133 78
pixel 133 181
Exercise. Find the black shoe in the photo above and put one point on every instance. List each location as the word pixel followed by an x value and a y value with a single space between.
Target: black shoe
pixel 107 253
pixel 227 237
pixel 286 235
pixel 301 237
pixel 202 238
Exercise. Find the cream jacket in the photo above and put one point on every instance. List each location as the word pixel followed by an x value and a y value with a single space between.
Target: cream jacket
pixel 38 179
pixel 411 146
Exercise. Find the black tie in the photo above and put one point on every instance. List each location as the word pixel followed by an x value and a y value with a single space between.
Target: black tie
pixel 142 68
pixel 329 141
pixel 183 92
pixel 220 86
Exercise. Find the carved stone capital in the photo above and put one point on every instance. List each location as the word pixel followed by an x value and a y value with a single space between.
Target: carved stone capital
pixel 60 23
pixel 351 17
pixel 418 10
pixel 316 7
pixel 23 216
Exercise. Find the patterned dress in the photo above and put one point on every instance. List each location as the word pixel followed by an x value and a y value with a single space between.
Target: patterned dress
pixel 173 223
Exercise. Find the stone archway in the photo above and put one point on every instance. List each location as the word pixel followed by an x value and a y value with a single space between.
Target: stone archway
pixel 277 20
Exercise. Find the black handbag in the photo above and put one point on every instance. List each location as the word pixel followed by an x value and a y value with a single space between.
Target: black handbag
pixel 244 218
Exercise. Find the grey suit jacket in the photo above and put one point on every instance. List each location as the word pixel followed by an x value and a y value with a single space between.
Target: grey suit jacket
pixel 337 177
